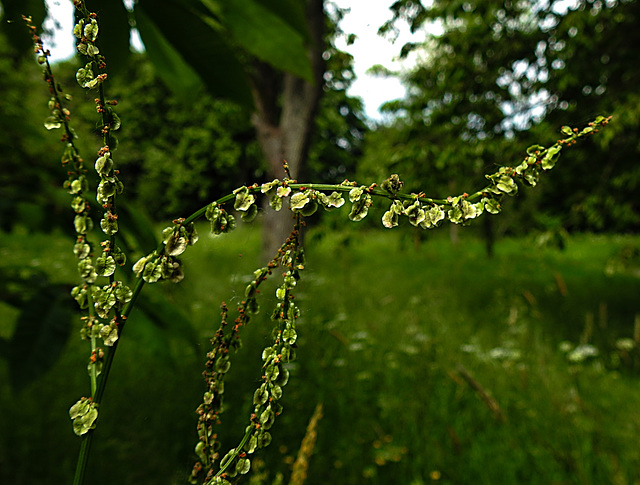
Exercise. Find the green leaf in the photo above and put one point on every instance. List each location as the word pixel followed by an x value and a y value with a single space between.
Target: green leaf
pixel 491 205
pixel 81 184
pixel 139 265
pixel 200 451
pixel 104 300
pixel 534 149
pixel 283 191
pixel 250 215
pixel 531 176
pixel 289 335
pixel 89 50
pixel 334 200
pixel 106 189
pixel 455 215
pixel 196 46
pixel 433 217
pixel 251 445
pixel 299 200
pixel 80 408
pixel 78 29
pixel 551 157
pixel 109 334
pixel 268 354
pixel 267 417
pixel 275 202
pixel 393 184
pixel 152 272
pixel 79 294
pixel 91 30
pixel 269 187
pixel 191 233
pixel 275 391
pixel 261 395
pixel 84 414
pixel 82 223
pixel 267 36
pixel 356 193
pixel 105 265
pixel 104 164
pixel 283 377
pixel 176 244
pixel 390 219
pixel 304 203
pixel 115 121
pixel 469 211
pixel 79 204
pixel 505 184
pixel 290 11
pixel 272 372
pixel 221 221
pixel 310 208
pixel 86 270
pixel 81 249
pixel 122 293
pixel 109 225
pixel 85 77
pixel 223 364
pixel 264 439
pixel 244 199
pixel 415 213
pixel 243 466
pixel 52 122
pixel 360 208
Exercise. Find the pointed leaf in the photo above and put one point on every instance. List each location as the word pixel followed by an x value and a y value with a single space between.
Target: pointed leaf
pixel 176 37
pixel 267 36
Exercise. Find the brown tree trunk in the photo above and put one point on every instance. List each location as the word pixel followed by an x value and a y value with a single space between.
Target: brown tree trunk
pixel 285 111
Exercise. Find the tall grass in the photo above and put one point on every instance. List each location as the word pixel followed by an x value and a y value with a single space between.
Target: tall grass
pixel 393 334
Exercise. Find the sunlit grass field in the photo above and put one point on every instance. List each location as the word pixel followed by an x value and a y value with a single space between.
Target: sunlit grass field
pixel 434 364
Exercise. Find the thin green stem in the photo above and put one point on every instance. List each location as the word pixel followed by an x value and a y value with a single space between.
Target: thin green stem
pixel 236 451
pixel 83 458
pixel 93 374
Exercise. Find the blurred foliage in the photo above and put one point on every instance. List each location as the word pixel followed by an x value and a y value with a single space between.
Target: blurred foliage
pixel 271 31
pixel 175 154
pixel 383 358
pixel 502 75
pixel 12 28
pixel 29 178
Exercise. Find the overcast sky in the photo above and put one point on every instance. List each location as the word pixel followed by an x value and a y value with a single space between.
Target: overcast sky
pixel 364 19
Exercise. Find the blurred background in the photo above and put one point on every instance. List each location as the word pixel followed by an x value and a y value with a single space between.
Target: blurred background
pixel 503 352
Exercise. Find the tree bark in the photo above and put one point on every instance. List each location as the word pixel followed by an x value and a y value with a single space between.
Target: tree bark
pixel 285 111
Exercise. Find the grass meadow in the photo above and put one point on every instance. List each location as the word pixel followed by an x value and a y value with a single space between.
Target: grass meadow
pixel 433 362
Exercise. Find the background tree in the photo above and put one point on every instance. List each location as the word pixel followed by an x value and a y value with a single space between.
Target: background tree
pixel 501 70
pixel 273 64
pixel 269 61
